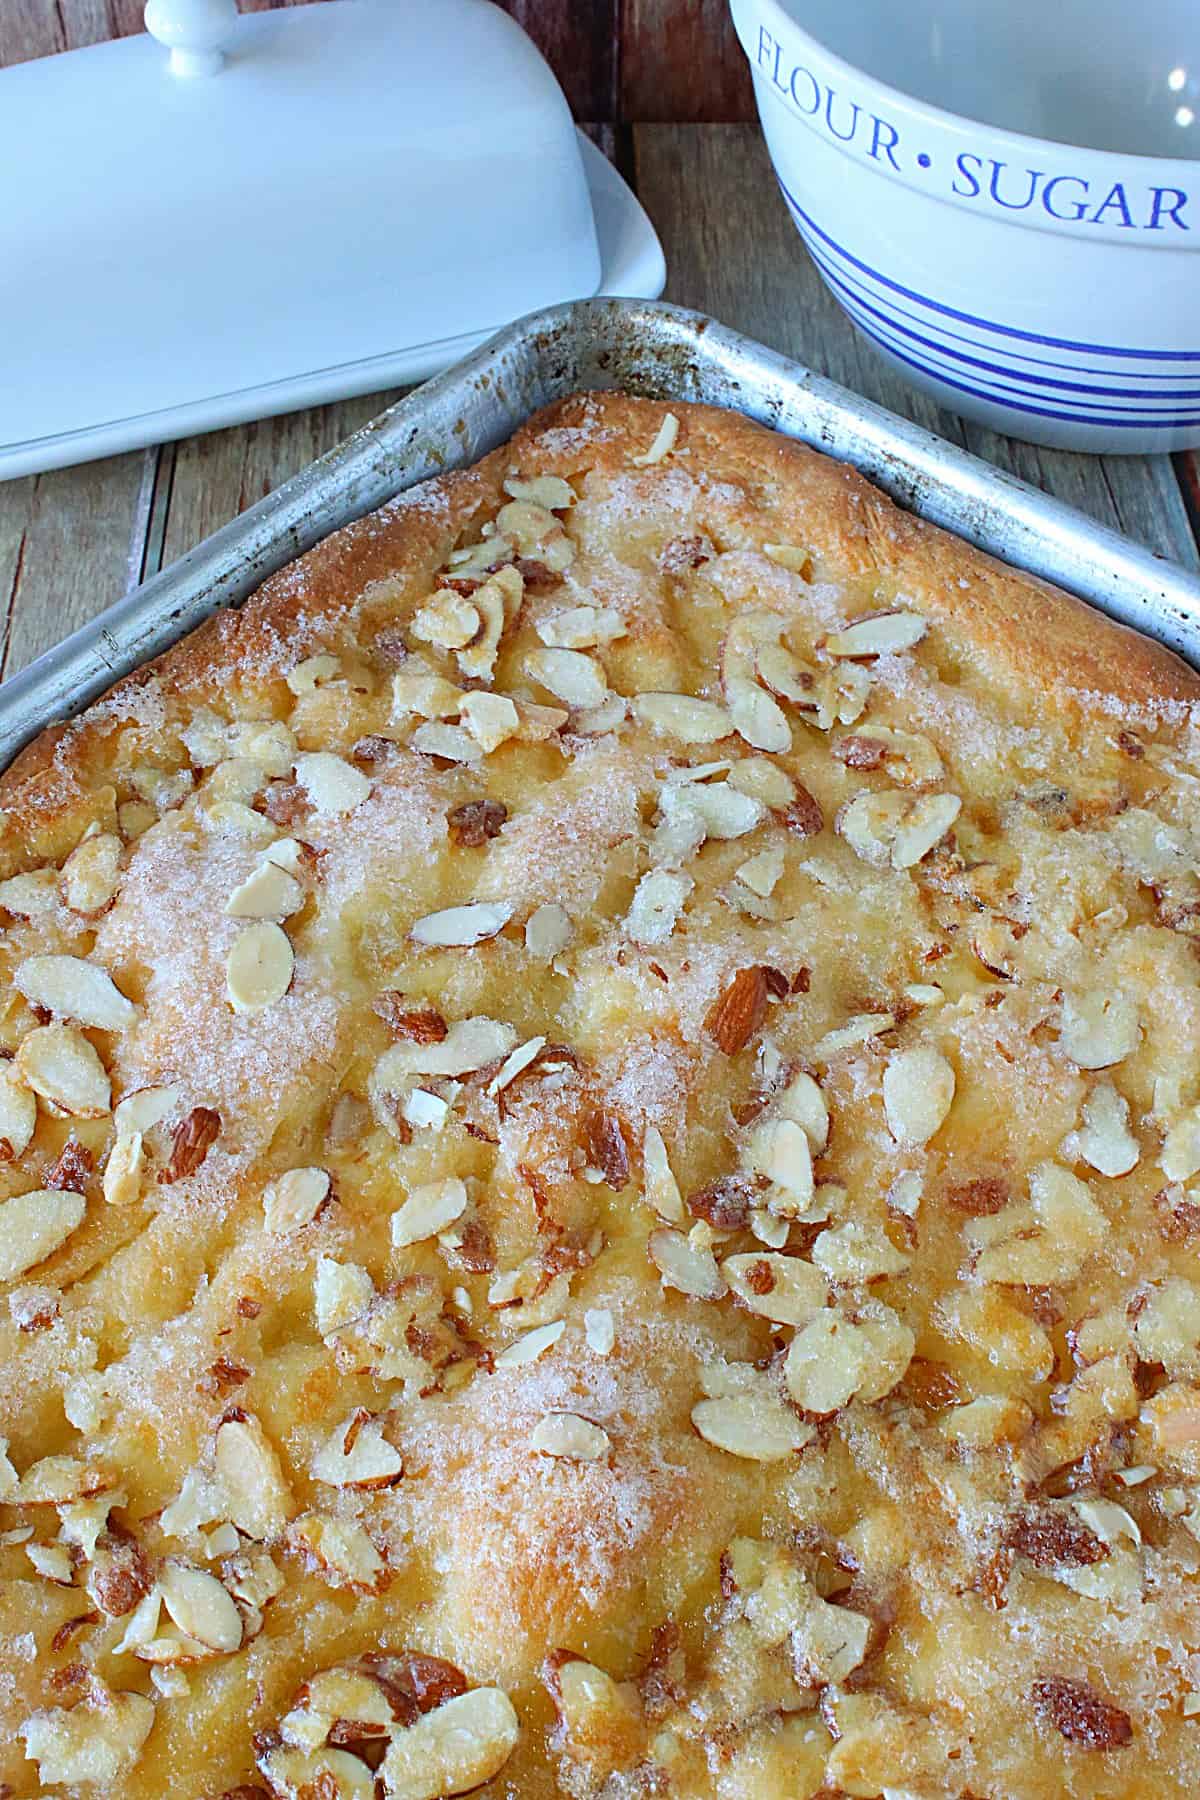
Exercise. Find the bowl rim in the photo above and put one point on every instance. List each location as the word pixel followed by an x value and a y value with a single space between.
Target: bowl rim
pixel 961 123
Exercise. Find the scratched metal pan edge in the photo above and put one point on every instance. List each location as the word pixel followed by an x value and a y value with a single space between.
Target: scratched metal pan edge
pixel 645 347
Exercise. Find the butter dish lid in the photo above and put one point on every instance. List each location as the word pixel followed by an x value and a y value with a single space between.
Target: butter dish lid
pixel 284 207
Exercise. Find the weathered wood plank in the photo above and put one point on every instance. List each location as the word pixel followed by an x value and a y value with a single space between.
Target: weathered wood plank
pixel 703 185
pixel 681 60
pixel 67 540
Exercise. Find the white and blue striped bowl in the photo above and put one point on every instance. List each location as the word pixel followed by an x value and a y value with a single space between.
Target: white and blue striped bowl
pixel 1048 290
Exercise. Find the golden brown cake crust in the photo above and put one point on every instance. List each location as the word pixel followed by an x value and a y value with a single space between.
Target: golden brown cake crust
pixel 717 1316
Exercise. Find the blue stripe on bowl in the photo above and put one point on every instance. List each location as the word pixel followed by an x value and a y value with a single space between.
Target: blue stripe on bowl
pixel 1010 382
pixel 966 318
pixel 855 293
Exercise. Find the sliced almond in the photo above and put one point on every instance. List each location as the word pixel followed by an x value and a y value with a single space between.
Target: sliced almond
pixel 792 557
pixel 200 1606
pixel 763 780
pixel 18 1114
pixel 144 1108
pixel 515 1064
pixel 294 1773
pixel 571 676
pixel 755 716
pixel 259 968
pixel 785 675
pixel 882 634
pixel 665 439
pixel 60 1481
pixel 657 903
pixel 428 1210
pixel 334 786
pixel 685 1265
pixel 904 755
pixel 599 1330
pixel 469 1044
pixel 1099 1030
pixel 123 1171
pixel 425 1111
pixel 1106 1143
pixel 925 824
pixel 453 1749
pixel 248 1469
pixel 268 892
pixel 859 1029
pixel 781 1288
pixel 727 813
pixel 581 627
pixel 418 688
pixel 308 675
pixel 662 1189
pixel 490 718
pixel 462 926
pixel 681 716
pixel 826 1363
pixel 888 828
pixel 762 872
pixel 52 1562
pixel 918 1090
pixel 755 1427
pixel 237 819
pixel 36 1224
pixel 548 931
pixel 567 1435
pixel 481 558
pixel 857 1250
pixel 537 534
pixel 548 491
pixel 341 1548
pixel 97 1742
pixel 294 1200
pixel 74 989
pixel 780 1150
pixel 496 602
pixel 342 1292
pixel 30 896
pixel 453 743
pixel 357 1455
pixel 533 1344
pixel 91 873
pixel 446 620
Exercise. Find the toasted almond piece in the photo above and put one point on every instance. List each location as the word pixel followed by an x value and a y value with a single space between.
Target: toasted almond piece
pixel 781 1288
pixel 59 1481
pixel 447 620
pixel 462 926
pixel 581 627
pixel 1099 1030
pixel 247 1467
pixel 905 1194
pixel 123 1171
pixel 453 743
pixel 428 1210
pixel 34 1225
pixel 756 717
pixel 567 1435
pixel 753 1426
pixel 294 1773
pixel 268 892
pixel 859 1029
pixel 259 967
pixel 825 1363
pixel 925 824
pixel 599 1330
pixel 762 872
pixel 513 1065
pixel 685 1265
pixel 882 634
pixel 763 780
pixel 918 1090
pixel 537 534
pixel 490 718
pixel 665 439
pixel 31 895
pixel 857 1250
pixel 571 676
pixel 785 675
pixel 200 1606
pixel 803 1101
pixel 334 786
pixel 769 1228
pixel 657 903
pixel 662 1189
pixel 342 1292
pixel 1045 1242
pixel 52 1562
pixel 548 931
pixel 238 820
pixel 97 1742
pixel 144 1108
pixel 91 873
pixel 418 688
pixel 726 812
pixel 294 1200
pixel 469 1044
pixel 18 1114
pixel 357 1455
pixel 1105 1141
pixel 691 720
pixel 453 1749
pixel 308 675
pixel 780 1149
pixel 528 1348
pixel 426 1111
pixel 340 1547
pixel 74 989
pixel 481 558
pixel 548 491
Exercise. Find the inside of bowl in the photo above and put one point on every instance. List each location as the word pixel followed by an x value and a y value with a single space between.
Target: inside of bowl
pixel 1104 74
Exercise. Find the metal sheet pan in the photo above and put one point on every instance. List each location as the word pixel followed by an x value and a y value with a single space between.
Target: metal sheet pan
pixel 646 348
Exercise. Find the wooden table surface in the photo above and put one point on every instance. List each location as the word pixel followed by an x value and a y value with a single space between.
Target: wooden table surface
pixel 74 541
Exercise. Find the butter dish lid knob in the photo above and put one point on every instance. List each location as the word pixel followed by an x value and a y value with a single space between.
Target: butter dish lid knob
pixel 193 31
